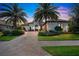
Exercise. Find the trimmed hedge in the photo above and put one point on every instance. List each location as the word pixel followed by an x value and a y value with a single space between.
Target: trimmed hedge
pixel 49 33
pixel 6 33
pixel 13 33
pixel 17 32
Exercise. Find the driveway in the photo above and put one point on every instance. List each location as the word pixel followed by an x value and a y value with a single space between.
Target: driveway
pixel 25 45
pixel 28 45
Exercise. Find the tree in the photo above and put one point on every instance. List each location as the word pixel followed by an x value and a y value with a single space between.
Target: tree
pixel 45 12
pixel 13 14
pixel 75 16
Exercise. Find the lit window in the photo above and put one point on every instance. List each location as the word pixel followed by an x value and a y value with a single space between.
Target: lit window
pixel 59 24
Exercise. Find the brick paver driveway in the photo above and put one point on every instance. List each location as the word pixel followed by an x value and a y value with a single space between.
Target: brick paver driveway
pixel 25 45
pixel 28 45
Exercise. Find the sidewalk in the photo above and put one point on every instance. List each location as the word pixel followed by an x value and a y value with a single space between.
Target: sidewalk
pixel 59 43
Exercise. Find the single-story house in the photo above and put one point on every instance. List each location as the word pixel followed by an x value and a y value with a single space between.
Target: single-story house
pixel 32 26
pixel 49 24
pixel 52 24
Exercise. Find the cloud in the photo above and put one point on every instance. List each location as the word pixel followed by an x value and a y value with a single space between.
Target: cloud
pixel 64 13
pixel 30 19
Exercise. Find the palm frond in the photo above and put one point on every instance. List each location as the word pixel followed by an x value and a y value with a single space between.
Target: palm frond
pixel 14 13
pixel 5 14
pixel 23 19
pixel 46 11
pixel 9 20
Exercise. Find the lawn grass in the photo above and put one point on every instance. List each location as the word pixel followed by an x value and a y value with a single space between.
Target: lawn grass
pixel 59 37
pixel 6 38
pixel 62 50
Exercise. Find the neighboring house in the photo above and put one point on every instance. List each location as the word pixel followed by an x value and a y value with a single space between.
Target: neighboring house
pixel 8 26
pixel 4 26
pixel 52 24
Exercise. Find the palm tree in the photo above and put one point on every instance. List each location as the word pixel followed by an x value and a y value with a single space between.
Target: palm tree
pixel 13 14
pixel 45 12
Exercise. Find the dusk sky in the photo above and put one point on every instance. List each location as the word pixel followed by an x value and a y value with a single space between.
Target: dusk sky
pixel 63 9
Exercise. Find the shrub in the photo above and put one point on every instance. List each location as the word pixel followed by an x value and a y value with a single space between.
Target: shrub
pixel 1 33
pixel 58 29
pixel 0 30
pixel 52 31
pixel 75 30
pixel 41 34
pixel 6 33
pixel 13 33
pixel 17 32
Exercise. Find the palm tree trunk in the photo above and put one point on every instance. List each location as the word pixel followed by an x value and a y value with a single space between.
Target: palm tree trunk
pixel 14 24
pixel 45 27
pixel 40 28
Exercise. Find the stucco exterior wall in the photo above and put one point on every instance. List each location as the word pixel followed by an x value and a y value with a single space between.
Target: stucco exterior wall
pixel 52 25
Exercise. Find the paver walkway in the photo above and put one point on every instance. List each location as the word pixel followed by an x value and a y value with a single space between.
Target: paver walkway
pixel 59 43
pixel 25 45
